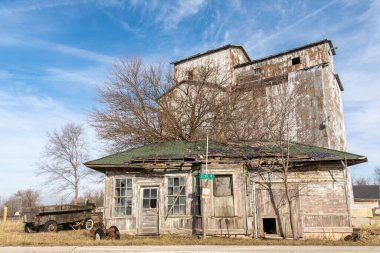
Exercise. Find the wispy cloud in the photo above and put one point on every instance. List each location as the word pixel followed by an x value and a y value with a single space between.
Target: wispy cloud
pixel 84 78
pixel 254 44
pixel 57 47
pixel 174 14
pixel 4 74
pixel 26 6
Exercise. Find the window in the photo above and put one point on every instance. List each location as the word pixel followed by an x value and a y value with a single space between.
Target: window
pixel 197 196
pixel 223 196
pixel 257 71
pixel 296 61
pixel 150 198
pixel 176 195
pixel 123 197
pixel 269 225
pixel 190 75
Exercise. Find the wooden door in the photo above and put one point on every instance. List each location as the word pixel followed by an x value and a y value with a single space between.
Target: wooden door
pixel 149 211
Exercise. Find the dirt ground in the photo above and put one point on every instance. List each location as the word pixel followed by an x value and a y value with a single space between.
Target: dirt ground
pixel 12 234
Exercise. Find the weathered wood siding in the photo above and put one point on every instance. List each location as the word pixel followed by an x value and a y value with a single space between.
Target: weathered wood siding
pixel 321 96
pixel 189 222
pixel 319 198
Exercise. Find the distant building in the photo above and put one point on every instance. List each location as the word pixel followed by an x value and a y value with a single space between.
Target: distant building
pixel 369 194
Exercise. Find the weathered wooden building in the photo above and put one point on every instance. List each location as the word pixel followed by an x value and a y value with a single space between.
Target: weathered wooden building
pixel 319 114
pixel 155 189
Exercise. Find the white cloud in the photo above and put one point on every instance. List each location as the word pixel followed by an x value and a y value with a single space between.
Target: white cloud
pixel 87 78
pixel 171 14
pixel 69 50
pixel 4 74
pixel 27 6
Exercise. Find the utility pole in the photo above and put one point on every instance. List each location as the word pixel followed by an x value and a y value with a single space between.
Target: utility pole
pixel 204 200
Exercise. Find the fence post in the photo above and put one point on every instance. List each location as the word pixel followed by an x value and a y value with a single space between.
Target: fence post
pixel 5 214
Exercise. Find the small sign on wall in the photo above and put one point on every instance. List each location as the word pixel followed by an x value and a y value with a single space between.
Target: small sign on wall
pixel 205 192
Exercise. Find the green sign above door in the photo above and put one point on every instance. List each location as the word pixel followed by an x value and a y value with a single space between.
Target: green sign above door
pixel 203 176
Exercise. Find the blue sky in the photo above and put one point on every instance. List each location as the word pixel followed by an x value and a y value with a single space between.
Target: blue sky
pixel 53 55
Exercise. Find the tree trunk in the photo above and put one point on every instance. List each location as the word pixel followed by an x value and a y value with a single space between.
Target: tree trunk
pixel 289 200
pixel 76 186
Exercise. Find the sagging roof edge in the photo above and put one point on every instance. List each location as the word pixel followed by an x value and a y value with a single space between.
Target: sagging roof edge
pixel 103 167
pixel 288 52
pixel 211 52
pixel 339 82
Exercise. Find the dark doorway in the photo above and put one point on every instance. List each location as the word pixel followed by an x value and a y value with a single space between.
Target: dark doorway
pixel 269 225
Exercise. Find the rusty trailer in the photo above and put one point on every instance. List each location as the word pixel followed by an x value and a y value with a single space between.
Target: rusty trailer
pixel 48 218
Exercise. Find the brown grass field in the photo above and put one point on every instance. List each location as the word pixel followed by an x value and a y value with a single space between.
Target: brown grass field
pixel 12 234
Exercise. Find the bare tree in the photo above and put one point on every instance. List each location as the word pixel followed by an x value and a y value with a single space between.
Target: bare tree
pixel 377 175
pixel 21 199
pixel 141 104
pixel 362 181
pixel 29 197
pixel 63 157
pixel 96 197
pixel 277 125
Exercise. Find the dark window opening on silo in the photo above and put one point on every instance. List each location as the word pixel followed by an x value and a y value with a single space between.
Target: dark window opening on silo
pixel 296 61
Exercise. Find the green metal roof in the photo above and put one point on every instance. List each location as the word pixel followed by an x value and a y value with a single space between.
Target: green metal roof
pixel 194 150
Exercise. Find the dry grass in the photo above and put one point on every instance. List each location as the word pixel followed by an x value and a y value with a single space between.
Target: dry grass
pixel 370 234
pixel 12 234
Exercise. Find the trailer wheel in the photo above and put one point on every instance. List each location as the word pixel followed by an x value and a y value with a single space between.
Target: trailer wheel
pixel 114 232
pixel 50 226
pixel 99 234
pixel 29 228
pixel 88 224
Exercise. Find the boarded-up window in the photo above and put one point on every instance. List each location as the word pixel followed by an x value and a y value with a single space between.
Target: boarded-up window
pixel 223 196
pixel 176 195
pixel 123 197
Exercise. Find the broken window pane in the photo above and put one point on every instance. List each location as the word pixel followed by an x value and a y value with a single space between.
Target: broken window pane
pixel 153 203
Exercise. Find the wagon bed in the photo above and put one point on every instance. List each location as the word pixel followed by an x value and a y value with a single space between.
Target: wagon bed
pixel 47 218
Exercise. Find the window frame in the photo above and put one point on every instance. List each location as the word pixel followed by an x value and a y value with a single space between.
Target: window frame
pixel 296 60
pixel 114 197
pixel 182 197
pixel 257 71
pixel 231 185
pixel 217 198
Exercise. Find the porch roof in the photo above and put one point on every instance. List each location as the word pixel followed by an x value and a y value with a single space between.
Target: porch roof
pixel 187 151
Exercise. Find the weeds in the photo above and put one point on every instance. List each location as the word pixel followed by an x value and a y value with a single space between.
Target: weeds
pixel 12 234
